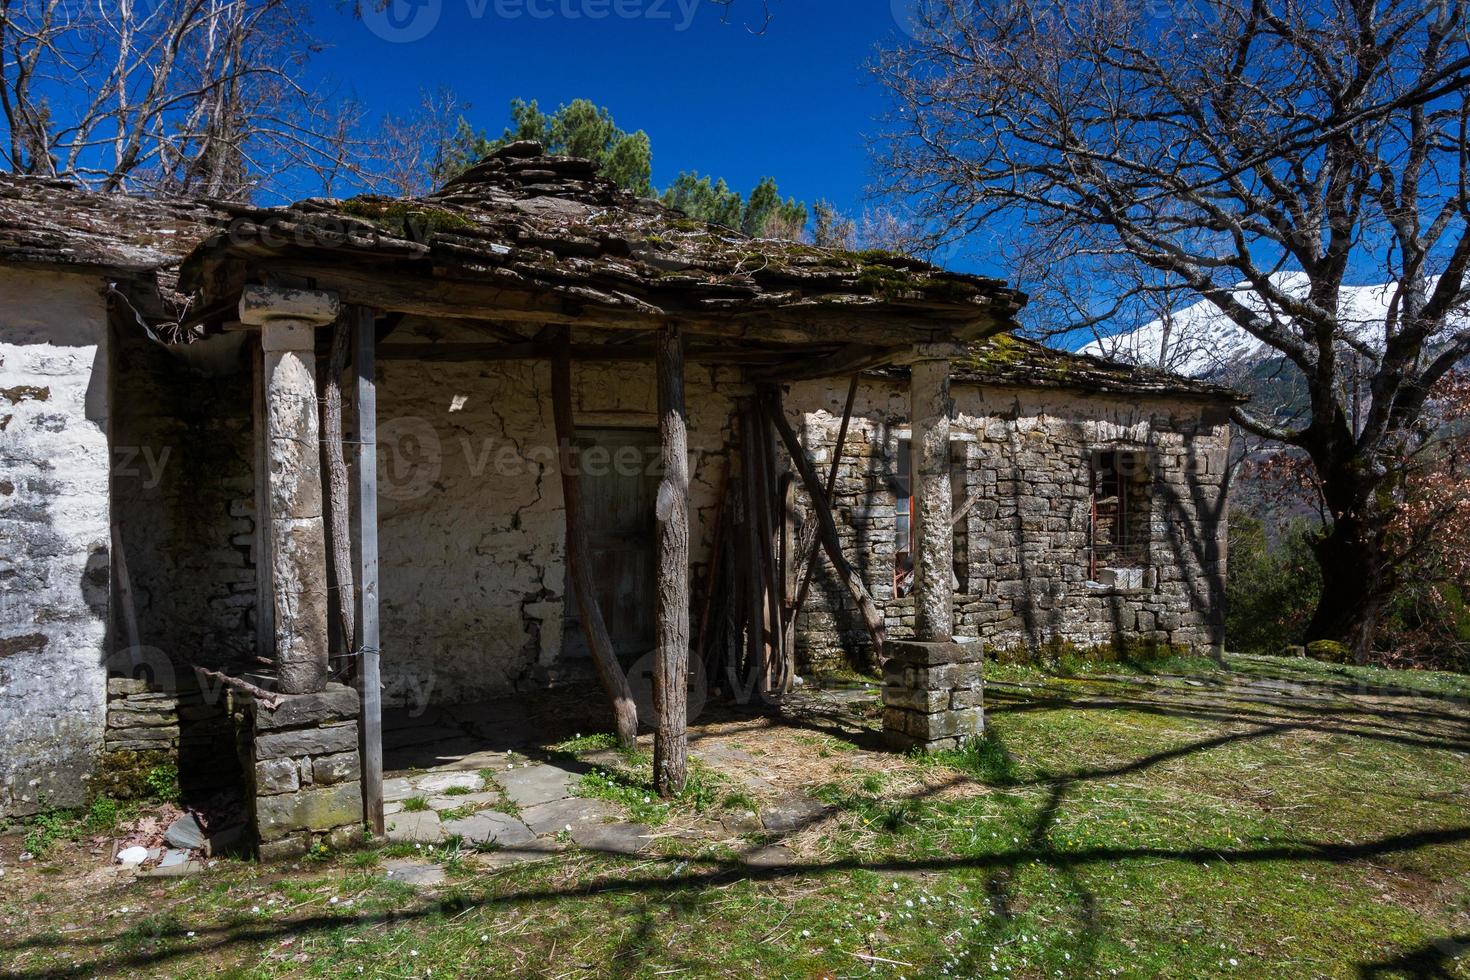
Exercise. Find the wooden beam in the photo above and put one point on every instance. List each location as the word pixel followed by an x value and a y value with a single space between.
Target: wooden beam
pixel 637 353
pixel 339 495
pixel 863 320
pixel 827 532
pixel 671 665
pixel 579 549
pixel 265 601
pixel 369 655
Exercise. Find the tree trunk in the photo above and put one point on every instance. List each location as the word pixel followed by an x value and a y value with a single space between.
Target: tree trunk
pixel 671 670
pixel 579 550
pixel 1350 555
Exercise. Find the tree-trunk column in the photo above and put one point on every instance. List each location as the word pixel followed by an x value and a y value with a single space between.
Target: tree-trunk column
pixel 933 685
pixel 298 549
pixel 671 670
pixel 929 406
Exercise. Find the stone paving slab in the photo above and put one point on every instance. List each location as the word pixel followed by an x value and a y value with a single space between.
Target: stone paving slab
pixel 438 803
pixel 613 838
pixel 505 857
pixel 419 874
pixel 435 783
pixel 535 785
pixel 489 827
pixel 421 827
pixel 557 815
pixel 396 790
pixel 792 813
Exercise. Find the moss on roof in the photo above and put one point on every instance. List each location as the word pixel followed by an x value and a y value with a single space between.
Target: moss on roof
pixel 1009 360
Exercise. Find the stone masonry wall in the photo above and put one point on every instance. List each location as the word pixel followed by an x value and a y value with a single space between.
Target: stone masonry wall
pixel 148 728
pixel 1026 461
pixel 184 486
pixel 54 536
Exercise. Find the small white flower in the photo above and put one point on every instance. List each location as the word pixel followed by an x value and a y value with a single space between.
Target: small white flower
pixel 191 935
pixel 806 933
pixel 1235 962
pixel 413 952
pixel 334 899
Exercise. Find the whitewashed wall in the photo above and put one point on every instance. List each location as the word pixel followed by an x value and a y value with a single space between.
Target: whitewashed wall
pixel 471 522
pixel 54 535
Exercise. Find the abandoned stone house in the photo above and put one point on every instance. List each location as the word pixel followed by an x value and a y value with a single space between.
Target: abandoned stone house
pixel 171 470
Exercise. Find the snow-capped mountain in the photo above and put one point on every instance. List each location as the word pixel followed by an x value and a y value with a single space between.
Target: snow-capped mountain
pixel 1200 341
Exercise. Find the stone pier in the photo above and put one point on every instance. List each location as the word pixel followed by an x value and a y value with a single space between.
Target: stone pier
pixel 933 694
pixel 302 770
pixel 932 685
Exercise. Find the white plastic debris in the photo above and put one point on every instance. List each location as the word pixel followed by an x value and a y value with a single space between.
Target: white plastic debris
pixel 131 857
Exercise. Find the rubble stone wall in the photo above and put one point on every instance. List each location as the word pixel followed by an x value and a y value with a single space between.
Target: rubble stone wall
pixel 151 731
pixel 184 491
pixel 54 536
pixel 1023 455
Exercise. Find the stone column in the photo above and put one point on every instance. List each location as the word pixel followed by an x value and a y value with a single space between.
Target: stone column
pixel 932 684
pixel 296 532
pixel 929 407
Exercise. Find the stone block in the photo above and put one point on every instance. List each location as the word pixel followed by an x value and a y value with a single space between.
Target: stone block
pixel 321 809
pixel 336 768
pixel 274 776
pixel 292 845
pixel 298 742
pixel 337 703
pixel 929 654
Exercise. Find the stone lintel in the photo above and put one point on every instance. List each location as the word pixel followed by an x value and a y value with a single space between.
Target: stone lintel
pixel 934 653
pixel 260 305
pixel 337 702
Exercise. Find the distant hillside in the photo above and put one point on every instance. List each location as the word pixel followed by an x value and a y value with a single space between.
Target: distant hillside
pixel 1200 341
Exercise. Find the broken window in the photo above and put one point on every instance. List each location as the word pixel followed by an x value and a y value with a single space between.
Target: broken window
pixel 1120 519
pixel 903 519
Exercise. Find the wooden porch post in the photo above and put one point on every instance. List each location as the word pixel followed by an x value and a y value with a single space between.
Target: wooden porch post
pixel 929 407
pixel 288 319
pixel 369 666
pixel 671 670
pixel 579 548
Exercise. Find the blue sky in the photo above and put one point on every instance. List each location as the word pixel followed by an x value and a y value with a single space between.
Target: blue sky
pixel 794 102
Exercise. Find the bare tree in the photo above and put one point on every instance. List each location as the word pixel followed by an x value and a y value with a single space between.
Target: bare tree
pixel 1239 141
pixel 182 97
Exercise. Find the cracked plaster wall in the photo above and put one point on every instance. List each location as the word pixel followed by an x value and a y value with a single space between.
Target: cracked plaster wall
pixel 472 530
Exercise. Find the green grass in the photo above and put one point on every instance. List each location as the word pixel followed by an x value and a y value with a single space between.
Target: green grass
pixel 1260 818
pixel 415 804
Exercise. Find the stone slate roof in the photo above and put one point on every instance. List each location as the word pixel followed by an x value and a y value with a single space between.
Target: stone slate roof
pixel 1014 361
pixel 525 220
pixel 55 222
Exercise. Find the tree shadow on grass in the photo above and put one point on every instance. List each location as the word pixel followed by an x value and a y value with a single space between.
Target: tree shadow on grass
pixel 676 887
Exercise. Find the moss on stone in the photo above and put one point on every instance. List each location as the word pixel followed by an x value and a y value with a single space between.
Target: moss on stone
pixel 1329 651
pixel 398 216
pixel 130 775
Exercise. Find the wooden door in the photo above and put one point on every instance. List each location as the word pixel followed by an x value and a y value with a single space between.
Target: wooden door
pixel 619 486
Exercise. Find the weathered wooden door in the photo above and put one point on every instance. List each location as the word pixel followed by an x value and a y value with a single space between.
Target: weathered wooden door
pixel 619 486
